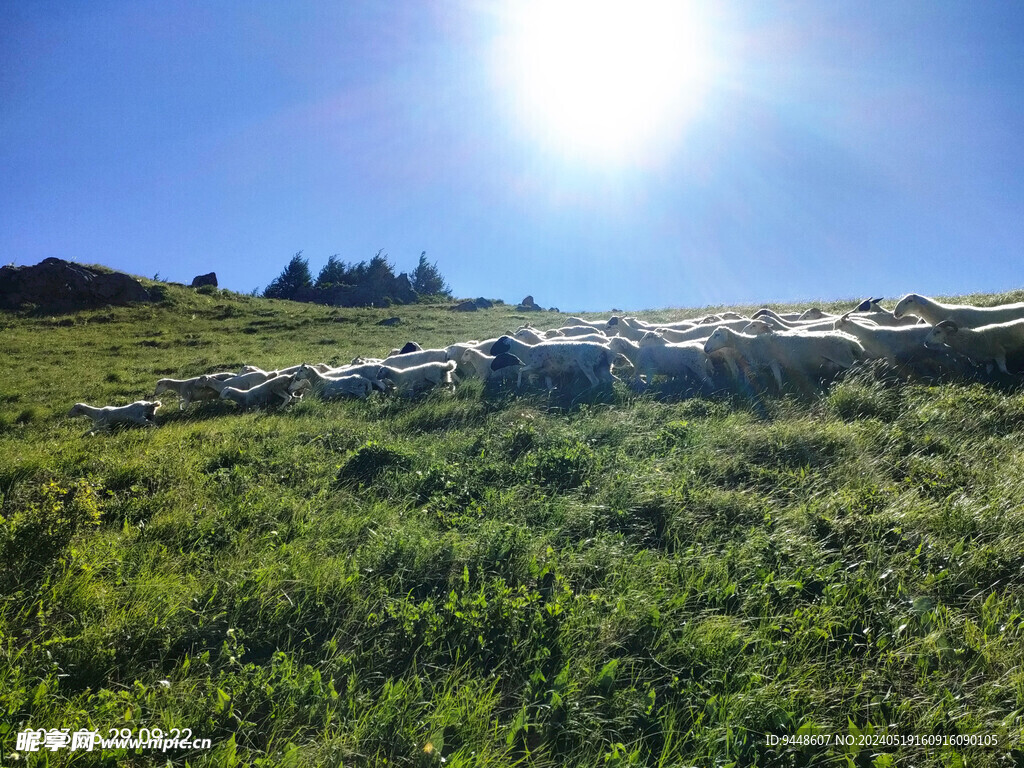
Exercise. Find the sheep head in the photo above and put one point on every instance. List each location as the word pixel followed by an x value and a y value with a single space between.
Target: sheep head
pixel 722 337
pixel 939 335
pixel 757 327
pixel 906 305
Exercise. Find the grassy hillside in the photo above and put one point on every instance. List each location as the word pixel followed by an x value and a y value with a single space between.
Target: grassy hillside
pixel 479 579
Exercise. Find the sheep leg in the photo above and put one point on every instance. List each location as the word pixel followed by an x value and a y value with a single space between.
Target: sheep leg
pixel 1001 362
pixel 777 373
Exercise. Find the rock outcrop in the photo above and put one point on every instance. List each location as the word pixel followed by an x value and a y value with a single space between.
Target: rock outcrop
pixel 528 305
pixel 209 278
pixel 63 285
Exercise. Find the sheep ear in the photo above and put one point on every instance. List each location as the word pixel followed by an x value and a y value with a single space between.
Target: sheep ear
pixel 613 321
pixel 864 306
pixel 949 326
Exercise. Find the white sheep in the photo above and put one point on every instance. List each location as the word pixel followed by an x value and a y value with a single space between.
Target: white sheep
pixel 984 344
pixel 597 325
pixel 963 315
pixel 796 352
pixel 784 316
pixel 477 364
pixel 140 412
pixel 242 382
pixel 409 380
pixel 658 357
pixel 278 388
pixel 528 335
pixel 697 332
pixel 880 342
pixel 814 314
pixel 627 327
pixel 552 358
pixel 574 331
pixel 419 357
pixel 191 389
pixel 328 387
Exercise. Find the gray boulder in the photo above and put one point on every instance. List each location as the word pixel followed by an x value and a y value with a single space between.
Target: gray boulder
pixel 64 285
pixel 209 278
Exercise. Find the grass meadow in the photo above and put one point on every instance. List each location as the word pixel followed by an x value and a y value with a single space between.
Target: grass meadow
pixel 485 579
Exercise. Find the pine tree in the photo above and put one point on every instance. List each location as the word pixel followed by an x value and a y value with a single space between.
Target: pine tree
pixel 334 272
pixel 294 277
pixel 427 279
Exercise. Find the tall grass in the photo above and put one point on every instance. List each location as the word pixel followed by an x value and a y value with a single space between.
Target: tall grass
pixel 477 579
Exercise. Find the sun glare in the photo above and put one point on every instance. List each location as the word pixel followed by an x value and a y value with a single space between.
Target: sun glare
pixel 607 82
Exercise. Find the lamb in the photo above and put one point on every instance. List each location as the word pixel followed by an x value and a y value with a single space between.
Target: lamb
pixel 190 389
pixel 327 387
pixel 985 344
pixel 140 412
pixel 795 352
pixel 962 315
pixel 367 370
pixel 656 356
pixel 265 394
pixel 408 380
pixel 243 382
pixel 552 358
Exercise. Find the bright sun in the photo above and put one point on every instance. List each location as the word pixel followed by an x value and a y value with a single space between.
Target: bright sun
pixel 606 82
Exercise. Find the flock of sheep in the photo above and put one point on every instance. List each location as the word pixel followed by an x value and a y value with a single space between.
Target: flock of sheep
pixel 712 352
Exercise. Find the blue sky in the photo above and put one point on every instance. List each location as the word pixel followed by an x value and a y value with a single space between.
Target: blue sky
pixel 831 150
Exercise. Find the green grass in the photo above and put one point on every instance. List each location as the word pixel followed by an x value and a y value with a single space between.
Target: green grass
pixel 497 580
